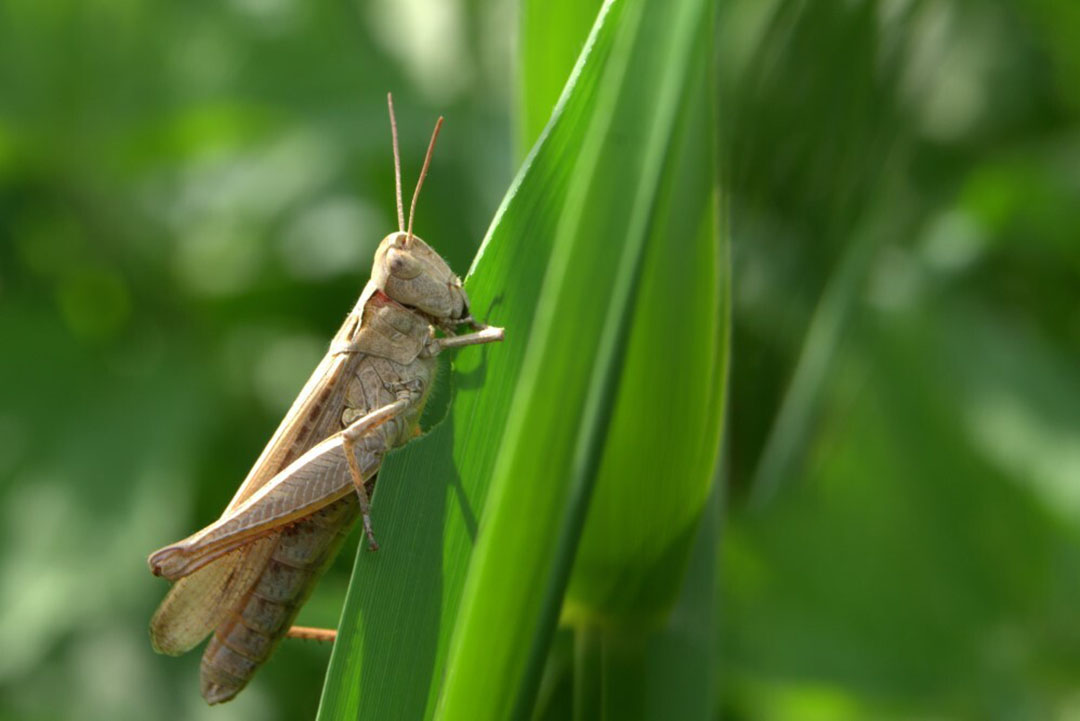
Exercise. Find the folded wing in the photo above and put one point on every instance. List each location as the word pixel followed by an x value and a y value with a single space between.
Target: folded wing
pixel 196 604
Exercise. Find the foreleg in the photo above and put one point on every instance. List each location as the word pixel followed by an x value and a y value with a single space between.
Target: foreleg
pixel 488 334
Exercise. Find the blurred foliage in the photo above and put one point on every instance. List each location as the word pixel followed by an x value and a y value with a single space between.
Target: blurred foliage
pixel 551 35
pixel 189 197
pixel 902 539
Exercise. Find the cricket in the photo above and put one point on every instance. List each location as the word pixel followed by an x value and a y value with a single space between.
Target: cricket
pixel 244 577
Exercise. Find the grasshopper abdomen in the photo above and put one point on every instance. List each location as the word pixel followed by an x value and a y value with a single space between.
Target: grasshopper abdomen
pixel 247 638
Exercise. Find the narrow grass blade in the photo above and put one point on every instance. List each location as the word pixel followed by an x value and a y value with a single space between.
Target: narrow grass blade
pixel 558 428
pixel 550 37
pixel 510 468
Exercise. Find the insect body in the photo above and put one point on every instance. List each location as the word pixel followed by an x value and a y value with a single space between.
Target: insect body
pixel 245 576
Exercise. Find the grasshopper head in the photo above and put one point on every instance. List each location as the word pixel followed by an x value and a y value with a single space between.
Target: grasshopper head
pixel 406 268
pixel 413 274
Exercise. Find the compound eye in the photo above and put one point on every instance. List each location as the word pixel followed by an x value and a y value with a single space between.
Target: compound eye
pixel 402 264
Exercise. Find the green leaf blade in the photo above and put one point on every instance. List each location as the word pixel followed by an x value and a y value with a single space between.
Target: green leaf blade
pixel 551 36
pixel 402 601
pixel 510 469
pixel 664 439
pixel 556 434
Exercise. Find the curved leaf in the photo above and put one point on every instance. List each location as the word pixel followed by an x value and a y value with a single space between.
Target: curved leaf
pixel 500 488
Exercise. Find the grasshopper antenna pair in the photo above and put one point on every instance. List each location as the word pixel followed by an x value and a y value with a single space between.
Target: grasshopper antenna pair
pixel 397 171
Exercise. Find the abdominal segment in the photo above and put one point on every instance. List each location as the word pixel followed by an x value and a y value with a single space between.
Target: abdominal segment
pixel 260 619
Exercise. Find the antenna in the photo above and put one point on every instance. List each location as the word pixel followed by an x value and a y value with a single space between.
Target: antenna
pixel 397 164
pixel 423 174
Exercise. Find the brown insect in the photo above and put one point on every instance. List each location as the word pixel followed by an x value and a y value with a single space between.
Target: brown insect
pixel 245 576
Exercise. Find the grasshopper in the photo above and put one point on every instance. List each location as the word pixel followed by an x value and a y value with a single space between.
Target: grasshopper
pixel 245 576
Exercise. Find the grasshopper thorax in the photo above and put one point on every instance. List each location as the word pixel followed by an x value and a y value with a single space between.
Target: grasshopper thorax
pixel 408 271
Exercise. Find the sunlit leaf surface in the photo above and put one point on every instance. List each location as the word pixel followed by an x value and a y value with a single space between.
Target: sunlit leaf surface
pixel 530 418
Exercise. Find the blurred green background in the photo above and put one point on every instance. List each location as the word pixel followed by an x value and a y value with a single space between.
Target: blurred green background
pixel 190 195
